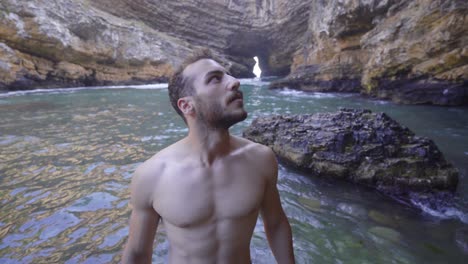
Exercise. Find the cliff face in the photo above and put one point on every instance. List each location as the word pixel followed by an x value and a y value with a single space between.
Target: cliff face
pixel 239 30
pixel 47 43
pixel 66 43
pixel 407 51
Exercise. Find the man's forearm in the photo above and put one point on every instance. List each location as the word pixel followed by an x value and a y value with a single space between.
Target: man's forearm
pixel 131 257
pixel 280 240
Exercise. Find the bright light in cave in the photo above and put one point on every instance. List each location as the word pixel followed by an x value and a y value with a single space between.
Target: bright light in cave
pixel 256 69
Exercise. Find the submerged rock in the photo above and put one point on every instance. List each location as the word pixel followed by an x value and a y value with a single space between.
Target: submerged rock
pixel 354 210
pixel 358 146
pixel 386 233
pixel 461 238
pixel 311 204
pixel 381 218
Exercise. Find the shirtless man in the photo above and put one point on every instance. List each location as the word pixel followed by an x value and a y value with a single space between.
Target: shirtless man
pixel 209 187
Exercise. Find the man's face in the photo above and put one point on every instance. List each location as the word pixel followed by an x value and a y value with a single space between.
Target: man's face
pixel 218 100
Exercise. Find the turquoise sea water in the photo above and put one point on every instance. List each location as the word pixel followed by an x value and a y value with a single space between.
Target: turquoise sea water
pixel 67 158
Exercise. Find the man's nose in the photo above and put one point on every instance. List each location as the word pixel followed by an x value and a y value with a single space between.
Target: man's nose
pixel 234 84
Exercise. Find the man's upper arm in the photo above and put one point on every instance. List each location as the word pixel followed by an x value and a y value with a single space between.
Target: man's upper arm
pixel 271 209
pixel 277 228
pixel 144 219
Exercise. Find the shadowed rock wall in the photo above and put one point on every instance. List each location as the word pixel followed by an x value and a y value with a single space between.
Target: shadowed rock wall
pixel 237 29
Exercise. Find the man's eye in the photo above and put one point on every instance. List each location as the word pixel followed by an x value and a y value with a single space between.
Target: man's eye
pixel 216 78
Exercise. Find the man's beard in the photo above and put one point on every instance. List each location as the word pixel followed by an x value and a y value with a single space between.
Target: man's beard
pixel 212 114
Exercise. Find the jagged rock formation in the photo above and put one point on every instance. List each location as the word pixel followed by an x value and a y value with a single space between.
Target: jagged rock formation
pixel 66 43
pixel 70 43
pixel 358 146
pixel 407 51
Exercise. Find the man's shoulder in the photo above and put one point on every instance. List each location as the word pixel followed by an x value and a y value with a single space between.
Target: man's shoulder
pixel 255 149
pixel 260 157
pixel 155 166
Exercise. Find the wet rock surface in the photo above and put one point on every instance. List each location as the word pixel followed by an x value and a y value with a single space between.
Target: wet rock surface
pixel 311 79
pixel 358 146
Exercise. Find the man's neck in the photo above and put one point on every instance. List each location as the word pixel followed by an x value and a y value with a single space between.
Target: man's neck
pixel 209 143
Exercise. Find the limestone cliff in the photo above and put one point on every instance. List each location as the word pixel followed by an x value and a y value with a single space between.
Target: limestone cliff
pixel 47 43
pixel 67 43
pixel 407 51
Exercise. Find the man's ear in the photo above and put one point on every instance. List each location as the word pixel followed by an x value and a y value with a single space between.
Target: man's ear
pixel 186 105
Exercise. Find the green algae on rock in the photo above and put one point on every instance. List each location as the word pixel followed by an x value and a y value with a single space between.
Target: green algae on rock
pixel 359 146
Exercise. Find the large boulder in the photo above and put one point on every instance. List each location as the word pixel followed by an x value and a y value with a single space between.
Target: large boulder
pixel 358 146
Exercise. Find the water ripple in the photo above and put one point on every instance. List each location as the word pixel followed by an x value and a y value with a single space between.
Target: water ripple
pixel 67 159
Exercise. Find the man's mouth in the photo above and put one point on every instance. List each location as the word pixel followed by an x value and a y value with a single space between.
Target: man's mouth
pixel 236 96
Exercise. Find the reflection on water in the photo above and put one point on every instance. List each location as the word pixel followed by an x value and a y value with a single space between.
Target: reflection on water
pixel 66 161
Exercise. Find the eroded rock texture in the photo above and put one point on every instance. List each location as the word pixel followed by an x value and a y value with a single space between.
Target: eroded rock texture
pixel 407 51
pixel 69 43
pixel 358 146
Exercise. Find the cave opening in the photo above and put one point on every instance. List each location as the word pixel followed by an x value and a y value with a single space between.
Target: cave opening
pixel 256 69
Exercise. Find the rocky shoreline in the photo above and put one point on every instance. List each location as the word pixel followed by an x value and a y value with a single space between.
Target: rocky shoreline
pixel 358 146
pixel 404 91
pixel 83 81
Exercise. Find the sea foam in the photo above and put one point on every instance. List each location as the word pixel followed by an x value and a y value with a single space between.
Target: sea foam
pixel 156 86
pixel 441 211
pixel 253 81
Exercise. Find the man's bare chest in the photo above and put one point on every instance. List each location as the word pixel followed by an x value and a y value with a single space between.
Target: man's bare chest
pixel 190 196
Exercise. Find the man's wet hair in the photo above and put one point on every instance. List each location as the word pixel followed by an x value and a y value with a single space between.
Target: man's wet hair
pixel 179 86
